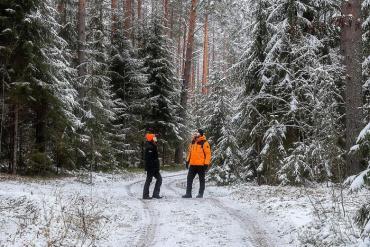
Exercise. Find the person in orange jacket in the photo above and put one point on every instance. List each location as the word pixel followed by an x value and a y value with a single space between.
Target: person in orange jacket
pixel 197 161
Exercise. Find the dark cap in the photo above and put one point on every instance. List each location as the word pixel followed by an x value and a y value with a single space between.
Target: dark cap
pixel 201 132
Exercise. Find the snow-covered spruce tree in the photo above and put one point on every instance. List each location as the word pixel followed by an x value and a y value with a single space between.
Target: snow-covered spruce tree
pixel 130 91
pixel 214 109
pixel 249 120
pixel 59 55
pixel 226 157
pixel 366 62
pixel 298 60
pixel 315 99
pixel 97 132
pixel 273 152
pixel 163 97
pixel 40 97
pixel 361 180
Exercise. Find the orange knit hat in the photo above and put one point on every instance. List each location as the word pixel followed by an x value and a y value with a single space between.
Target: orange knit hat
pixel 149 137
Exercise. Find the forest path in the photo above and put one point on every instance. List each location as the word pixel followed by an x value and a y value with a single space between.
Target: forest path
pixel 215 220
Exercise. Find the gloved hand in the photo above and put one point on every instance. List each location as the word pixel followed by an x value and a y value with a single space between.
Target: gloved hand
pixel 206 168
pixel 187 164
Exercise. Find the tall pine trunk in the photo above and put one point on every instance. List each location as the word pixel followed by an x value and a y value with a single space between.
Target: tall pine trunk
pixel 40 126
pixel 2 120
pixel 205 57
pixel 179 60
pixel 183 50
pixel 128 19
pixel 114 18
pixel 139 8
pixel 171 23
pixel 187 73
pixel 165 12
pixel 81 25
pixel 193 79
pixel 15 139
pixel 62 11
pixel 213 48
pixel 351 44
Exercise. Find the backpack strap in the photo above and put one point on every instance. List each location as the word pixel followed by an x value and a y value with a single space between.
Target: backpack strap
pixel 201 143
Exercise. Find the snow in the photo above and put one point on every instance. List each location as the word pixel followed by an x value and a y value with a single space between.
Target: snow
pixel 357 182
pixel 293 104
pixel 363 133
pixel 7 30
pixel 109 212
pixel 10 11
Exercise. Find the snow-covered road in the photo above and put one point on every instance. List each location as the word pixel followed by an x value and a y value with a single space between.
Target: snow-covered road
pixel 112 213
pixel 211 221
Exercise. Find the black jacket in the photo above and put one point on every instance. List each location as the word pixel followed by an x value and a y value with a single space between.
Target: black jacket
pixel 151 157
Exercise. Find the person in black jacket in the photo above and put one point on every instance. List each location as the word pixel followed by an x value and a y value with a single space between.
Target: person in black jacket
pixel 152 167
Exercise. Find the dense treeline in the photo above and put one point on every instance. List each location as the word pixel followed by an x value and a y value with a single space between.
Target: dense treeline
pixel 78 90
pixel 83 80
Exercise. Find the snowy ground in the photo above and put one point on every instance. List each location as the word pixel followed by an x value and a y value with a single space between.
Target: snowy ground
pixel 110 213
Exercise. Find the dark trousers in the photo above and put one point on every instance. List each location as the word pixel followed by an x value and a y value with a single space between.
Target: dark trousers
pixel 158 183
pixel 193 171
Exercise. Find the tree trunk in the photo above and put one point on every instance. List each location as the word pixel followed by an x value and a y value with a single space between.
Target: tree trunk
pixel 351 45
pixel 187 72
pixel 15 140
pixel 2 113
pixel 81 25
pixel 40 127
pixel 171 23
pixel 128 19
pixel 62 11
pixel 183 50
pixel 165 11
pixel 114 18
pixel 198 73
pixel 193 78
pixel 139 7
pixel 179 66
pixel 213 48
pixel 205 57
pixel 189 54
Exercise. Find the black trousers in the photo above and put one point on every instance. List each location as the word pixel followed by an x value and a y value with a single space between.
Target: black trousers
pixel 158 183
pixel 193 171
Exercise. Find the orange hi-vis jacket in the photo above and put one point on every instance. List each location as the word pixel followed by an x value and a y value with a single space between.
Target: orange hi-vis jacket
pixel 199 152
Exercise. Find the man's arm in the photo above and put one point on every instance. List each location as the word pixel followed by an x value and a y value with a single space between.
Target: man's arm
pixel 207 152
pixel 188 157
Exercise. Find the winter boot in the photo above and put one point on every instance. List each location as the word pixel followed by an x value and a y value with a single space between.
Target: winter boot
pixel 186 196
pixel 147 198
pixel 200 196
pixel 157 196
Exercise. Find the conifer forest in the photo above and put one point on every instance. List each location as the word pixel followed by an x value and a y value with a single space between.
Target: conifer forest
pixel 281 89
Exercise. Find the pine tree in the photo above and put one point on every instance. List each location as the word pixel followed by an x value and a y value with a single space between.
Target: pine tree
pixel 130 91
pixel 164 87
pixel 97 101
pixel 249 117
pixel 39 93
pixel 293 75
pixel 226 159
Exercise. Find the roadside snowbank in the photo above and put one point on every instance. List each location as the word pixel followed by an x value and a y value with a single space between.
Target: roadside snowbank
pixel 305 216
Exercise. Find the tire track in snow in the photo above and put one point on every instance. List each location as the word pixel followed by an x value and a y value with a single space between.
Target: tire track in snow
pixel 246 221
pixel 149 216
pixel 147 232
pixel 249 223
